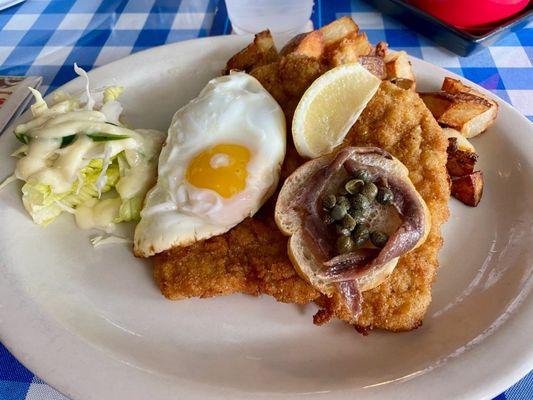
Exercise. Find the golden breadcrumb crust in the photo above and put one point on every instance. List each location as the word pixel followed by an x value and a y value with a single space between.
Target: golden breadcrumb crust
pixel 398 121
pixel 252 257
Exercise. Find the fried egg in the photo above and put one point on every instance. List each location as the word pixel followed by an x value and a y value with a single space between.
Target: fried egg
pixel 220 163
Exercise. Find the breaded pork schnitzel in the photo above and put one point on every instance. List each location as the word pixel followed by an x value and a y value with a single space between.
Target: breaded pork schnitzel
pixel 252 257
pixel 397 121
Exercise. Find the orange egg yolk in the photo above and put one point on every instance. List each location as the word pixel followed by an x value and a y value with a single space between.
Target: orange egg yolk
pixel 221 168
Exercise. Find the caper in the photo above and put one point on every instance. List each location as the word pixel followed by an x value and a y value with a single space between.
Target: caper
pixel 344 244
pixel 348 222
pixel 343 201
pixel 358 215
pixel 360 202
pixel 338 212
pixel 362 174
pixel 379 239
pixel 329 201
pixel 384 196
pixel 353 186
pixel 328 220
pixel 342 230
pixel 369 190
pixel 360 234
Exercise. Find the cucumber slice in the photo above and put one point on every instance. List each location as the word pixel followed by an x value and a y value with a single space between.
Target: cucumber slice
pixel 66 140
pixel 22 137
pixel 104 137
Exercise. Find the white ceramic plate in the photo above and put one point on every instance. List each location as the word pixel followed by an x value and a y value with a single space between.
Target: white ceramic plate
pixel 93 324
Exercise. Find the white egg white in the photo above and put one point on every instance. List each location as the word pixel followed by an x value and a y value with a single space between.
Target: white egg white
pixel 232 109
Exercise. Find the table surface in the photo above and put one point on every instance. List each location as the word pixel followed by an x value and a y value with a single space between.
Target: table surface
pixel 46 37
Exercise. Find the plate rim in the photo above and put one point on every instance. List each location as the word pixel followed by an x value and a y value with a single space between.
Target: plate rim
pixel 52 376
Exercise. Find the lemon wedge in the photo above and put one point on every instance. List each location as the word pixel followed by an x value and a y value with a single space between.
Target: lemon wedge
pixel 329 108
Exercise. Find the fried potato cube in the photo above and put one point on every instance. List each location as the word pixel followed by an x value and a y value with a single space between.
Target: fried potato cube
pixel 483 121
pixel 469 188
pixel 460 162
pixel 450 85
pixel 398 65
pixel 350 49
pixel 260 52
pixel 375 65
pixel 466 112
pixel 436 102
pixel 338 30
pixel 306 44
pixel 474 104
pixel 470 116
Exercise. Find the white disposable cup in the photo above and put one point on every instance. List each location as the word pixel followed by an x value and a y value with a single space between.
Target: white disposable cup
pixel 280 16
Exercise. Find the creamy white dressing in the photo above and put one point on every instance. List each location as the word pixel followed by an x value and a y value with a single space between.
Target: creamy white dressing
pixel 55 118
pixel 64 106
pixel 36 158
pixel 45 132
pixel 99 214
pixel 73 127
pixel 136 180
pixel 115 147
pixel 44 162
pixel 62 173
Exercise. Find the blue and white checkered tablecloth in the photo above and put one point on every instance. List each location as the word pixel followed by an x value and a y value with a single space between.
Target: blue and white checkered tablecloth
pixel 45 37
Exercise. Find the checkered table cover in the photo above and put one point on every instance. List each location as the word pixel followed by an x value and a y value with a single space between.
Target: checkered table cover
pixel 45 37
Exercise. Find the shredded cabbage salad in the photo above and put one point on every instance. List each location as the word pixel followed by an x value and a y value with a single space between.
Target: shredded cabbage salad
pixel 78 157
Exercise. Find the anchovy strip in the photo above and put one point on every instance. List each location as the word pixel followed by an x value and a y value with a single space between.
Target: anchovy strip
pixel 346 270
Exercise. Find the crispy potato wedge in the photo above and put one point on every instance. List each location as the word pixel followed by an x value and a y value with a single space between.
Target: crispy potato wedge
pixel 436 102
pixel 469 188
pixel 461 111
pixel 260 52
pixel 466 112
pixel 350 49
pixel 397 65
pixel 450 85
pixel 480 123
pixel 375 65
pixel 483 121
pixel 338 30
pixel 460 162
pixel 469 118
pixel 306 44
